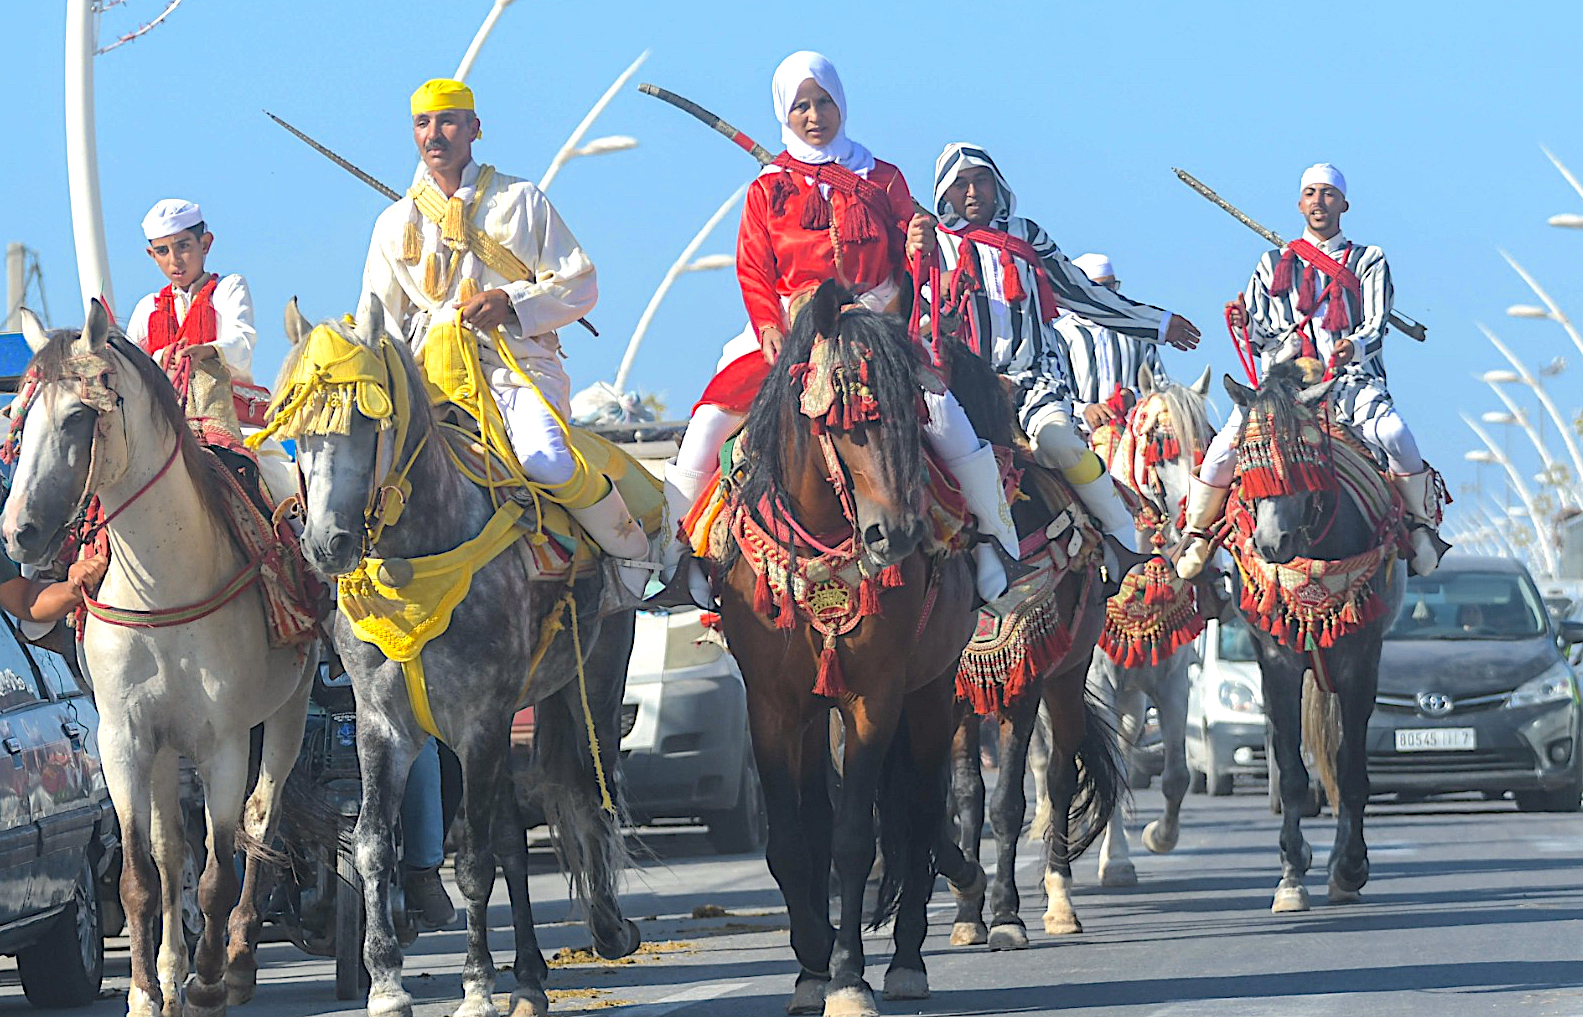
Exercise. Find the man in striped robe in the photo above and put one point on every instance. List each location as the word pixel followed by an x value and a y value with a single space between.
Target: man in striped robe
pixel 1326 298
pixel 1003 283
pixel 1103 361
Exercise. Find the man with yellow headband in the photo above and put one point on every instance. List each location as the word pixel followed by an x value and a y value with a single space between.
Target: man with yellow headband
pixel 471 254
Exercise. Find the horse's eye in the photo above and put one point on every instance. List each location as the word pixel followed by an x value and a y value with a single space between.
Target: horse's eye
pixel 77 416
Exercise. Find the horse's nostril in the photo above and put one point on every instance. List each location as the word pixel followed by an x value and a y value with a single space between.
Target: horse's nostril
pixel 873 534
pixel 24 534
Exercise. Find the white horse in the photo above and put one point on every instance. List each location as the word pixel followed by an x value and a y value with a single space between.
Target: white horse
pixel 104 420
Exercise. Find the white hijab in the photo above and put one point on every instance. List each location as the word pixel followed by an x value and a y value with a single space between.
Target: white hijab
pixel 789 76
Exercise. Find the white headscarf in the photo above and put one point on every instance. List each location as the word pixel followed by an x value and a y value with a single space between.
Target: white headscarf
pixel 1324 173
pixel 963 155
pixel 789 76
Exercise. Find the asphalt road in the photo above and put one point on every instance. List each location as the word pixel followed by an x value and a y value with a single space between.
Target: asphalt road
pixel 1473 908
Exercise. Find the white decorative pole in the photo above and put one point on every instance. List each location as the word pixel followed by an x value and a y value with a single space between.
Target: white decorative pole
pixel 1551 309
pixel 82 157
pixel 465 68
pixel 682 264
pixel 570 150
pixel 1519 485
pixel 1527 378
pixel 1552 465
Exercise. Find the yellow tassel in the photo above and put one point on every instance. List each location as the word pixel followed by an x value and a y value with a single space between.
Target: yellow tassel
pixel 411 244
pixel 467 290
pixel 432 283
pixel 452 225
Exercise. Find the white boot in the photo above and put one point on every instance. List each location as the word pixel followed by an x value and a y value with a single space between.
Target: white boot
pixel 612 527
pixel 1205 504
pixel 1099 496
pixel 1421 509
pixel 682 488
pixel 979 477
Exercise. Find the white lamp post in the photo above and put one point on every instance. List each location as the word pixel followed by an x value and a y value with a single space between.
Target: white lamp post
pixel 574 146
pixel 683 264
pixel 1518 484
pixel 1550 310
pixel 82 156
pixel 1527 377
pixel 465 68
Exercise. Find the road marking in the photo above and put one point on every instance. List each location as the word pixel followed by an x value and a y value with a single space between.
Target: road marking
pixel 675 1001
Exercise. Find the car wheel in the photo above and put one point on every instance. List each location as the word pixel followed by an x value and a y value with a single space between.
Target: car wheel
pixel 1220 784
pixel 66 966
pixel 350 975
pixel 1565 799
pixel 1198 782
pixel 745 827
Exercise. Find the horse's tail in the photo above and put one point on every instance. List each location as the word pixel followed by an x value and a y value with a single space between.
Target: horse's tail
pixel 1322 732
pixel 1101 779
pixel 903 830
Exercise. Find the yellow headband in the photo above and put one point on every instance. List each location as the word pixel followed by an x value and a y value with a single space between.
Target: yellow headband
pixel 441 93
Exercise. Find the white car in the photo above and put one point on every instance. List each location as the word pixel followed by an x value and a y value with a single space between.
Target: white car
pixel 1225 709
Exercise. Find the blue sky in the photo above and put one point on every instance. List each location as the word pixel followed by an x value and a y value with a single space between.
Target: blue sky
pixel 1436 117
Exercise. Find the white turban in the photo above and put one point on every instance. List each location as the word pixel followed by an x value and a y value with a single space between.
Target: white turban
pixel 789 76
pixel 1095 266
pixel 170 216
pixel 1324 173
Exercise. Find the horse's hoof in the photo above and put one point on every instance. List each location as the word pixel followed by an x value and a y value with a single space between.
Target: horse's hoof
pixel 624 946
pixel 1157 841
pixel 241 982
pixel 530 1003
pixel 852 1001
pixel 808 995
pixel 1342 895
pixel 139 1003
pixel 1058 924
pixel 906 983
pixel 203 998
pixel 391 1004
pixel 1290 898
pixel 476 1004
pixel 1119 873
pixel 1008 936
pixel 969 934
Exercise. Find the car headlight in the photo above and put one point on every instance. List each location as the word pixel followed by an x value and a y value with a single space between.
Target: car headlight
pixel 1239 697
pixel 1555 685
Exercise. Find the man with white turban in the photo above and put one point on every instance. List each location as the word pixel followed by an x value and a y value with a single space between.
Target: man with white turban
pixel 1326 298
pixel 471 256
pixel 1004 282
pixel 1104 362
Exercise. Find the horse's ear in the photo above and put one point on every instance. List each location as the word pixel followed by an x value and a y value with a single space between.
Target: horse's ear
pixel 1145 380
pixel 1201 386
pixel 1242 395
pixel 297 326
pixel 370 320
pixel 826 309
pixel 96 331
pixel 33 330
pixel 1313 394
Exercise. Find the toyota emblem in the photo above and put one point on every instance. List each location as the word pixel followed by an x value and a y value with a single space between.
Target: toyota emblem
pixel 1435 704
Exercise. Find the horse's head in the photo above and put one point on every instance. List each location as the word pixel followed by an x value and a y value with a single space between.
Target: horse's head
pixel 837 428
pixel 346 396
pixel 1163 444
pixel 1284 467
pixel 91 405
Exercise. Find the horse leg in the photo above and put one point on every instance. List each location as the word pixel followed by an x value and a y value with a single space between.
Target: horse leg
pixel 778 750
pixel 260 817
pixel 1349 858
pixel 1038 761
pixel 1170 701
pixel 128 782
pixel 384 756
pixel 482 753
pixel 224 785
pixel 869 731
pixel 967 789
pixel 1283 684
pixel 1125 702
pixel 169 844
pixel 1067 720
pixel 1006 810
pixel 921 774
pixel 528 998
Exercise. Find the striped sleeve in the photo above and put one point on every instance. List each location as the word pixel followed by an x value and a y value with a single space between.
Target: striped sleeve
pixel 1264 330
pixel 1374 275
pixel 1099 304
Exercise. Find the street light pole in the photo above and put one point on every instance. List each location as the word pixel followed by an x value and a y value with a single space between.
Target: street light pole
pixel 679 266
pixel 1554 310
pixel 1527 378
pixel 82 157
pixel 465 68
pixel 1520 418
pixel 570 150
pixel 1519 485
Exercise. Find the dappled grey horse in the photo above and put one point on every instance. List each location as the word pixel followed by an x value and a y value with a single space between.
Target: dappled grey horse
pixel 487 658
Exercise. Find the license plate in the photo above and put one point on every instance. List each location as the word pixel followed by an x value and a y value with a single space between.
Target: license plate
pixel 1436 739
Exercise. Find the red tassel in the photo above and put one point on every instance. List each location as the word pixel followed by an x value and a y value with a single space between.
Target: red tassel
pixel 858 223
pixel 815 210
pixel 1336 318
pixel 1306 301
pixel 890 577
pixel 788 614
pixel 830 681
pixel 780 192
pixel 868 597
pixel 762 603
pixel 1281 282
pixel 1011 278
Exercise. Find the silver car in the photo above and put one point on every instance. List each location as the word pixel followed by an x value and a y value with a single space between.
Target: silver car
pixel 1225 709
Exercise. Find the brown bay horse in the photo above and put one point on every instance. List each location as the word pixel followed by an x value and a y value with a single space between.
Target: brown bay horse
pixel 840 589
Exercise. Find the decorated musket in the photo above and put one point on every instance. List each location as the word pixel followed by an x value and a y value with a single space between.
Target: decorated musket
pixel 736 136
pixel 1404 324
pixel 390 193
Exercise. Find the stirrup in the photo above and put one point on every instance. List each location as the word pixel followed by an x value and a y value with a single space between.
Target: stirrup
pixel 678 590
pixel 1126 560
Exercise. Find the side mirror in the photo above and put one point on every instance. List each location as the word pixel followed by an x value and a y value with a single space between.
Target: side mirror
pixel 1571 632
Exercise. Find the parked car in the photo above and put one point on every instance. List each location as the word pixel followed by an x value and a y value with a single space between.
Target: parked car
pixel 1225 709
pixel 1146 760
pixel 58 840
pixel 1474 693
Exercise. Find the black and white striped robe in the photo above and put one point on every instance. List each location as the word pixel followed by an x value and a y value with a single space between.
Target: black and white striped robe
pixel 1102 358
pixel 1359 393
pixel 1018 342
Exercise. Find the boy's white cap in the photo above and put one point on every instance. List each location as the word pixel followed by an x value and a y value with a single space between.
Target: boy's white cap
pixel 170 216
pixel 1324 173
pixel 1095 266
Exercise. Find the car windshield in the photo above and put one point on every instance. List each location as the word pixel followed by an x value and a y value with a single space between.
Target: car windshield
pixel 1470 605
pixel 1236 640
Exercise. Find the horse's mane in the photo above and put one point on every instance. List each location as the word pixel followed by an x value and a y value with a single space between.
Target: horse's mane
pixel 1189 421
pixel 862 336
pixel 1276 400
pixel 982 395
pixel 51 365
